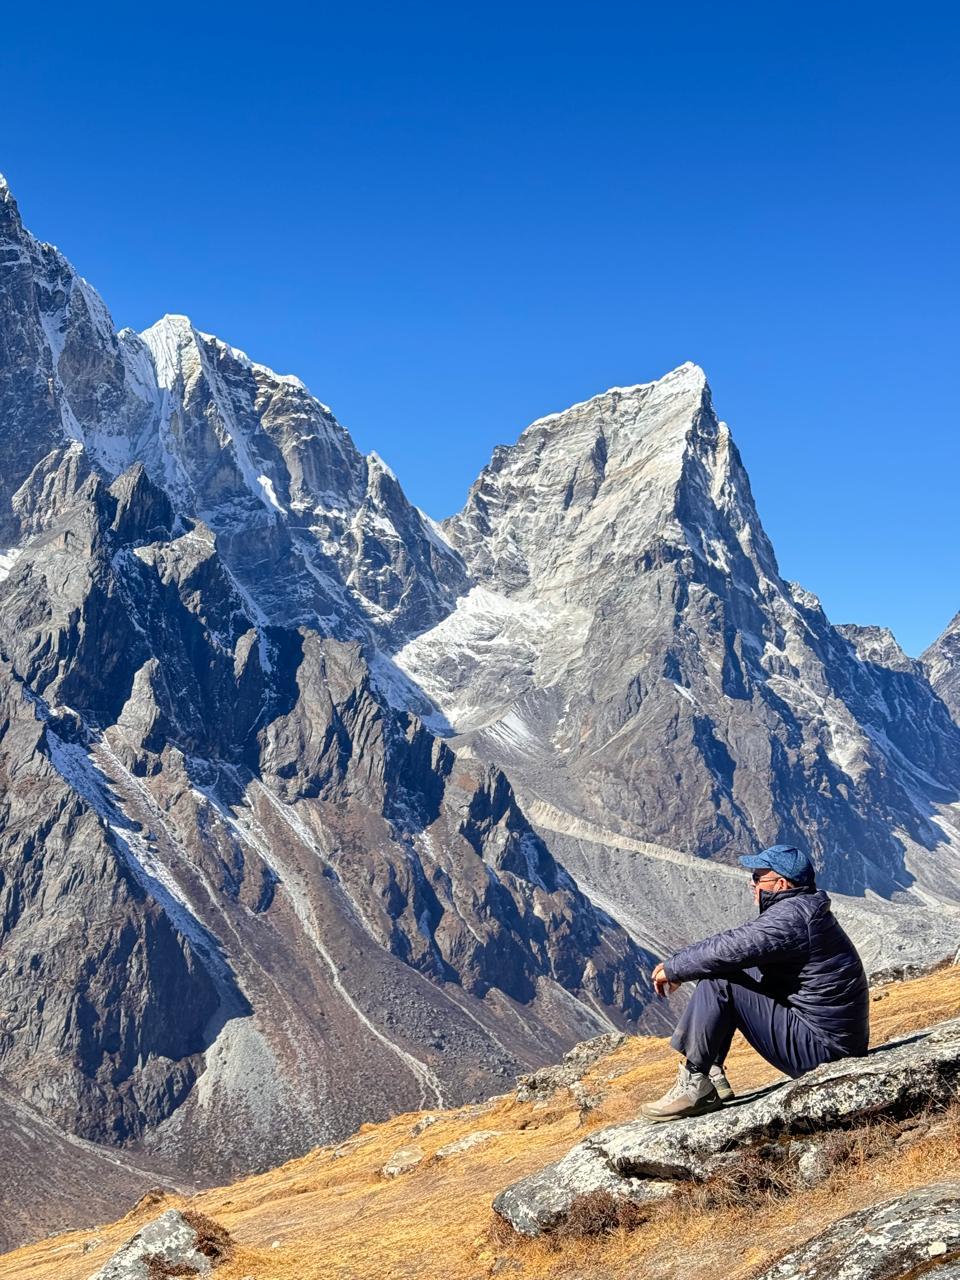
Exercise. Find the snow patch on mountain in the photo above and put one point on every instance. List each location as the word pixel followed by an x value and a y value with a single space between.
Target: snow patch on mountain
pixel 77 766
pixel 53 324
pixel 266 484
pixel 495 636
pixel 8 559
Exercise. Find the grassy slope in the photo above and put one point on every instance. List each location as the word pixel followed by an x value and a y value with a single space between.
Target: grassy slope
pixel 336 1218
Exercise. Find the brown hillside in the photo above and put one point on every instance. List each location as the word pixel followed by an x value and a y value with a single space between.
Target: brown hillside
pixel 332 1216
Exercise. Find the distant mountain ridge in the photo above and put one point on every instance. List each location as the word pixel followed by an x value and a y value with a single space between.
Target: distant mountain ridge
pixel 312 810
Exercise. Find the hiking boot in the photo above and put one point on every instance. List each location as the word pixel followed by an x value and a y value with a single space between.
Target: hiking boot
pixel 722 1085
pixel 692 1095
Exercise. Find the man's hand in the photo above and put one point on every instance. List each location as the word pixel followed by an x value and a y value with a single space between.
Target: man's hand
pixel 662 984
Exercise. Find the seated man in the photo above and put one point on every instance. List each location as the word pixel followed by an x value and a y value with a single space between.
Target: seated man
pixel 790 980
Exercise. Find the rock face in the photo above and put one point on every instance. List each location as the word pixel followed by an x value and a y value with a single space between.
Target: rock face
pixel 640 1160
pixel 103 996
pixel 913 1234
pixel 175 1244
pixel 308 827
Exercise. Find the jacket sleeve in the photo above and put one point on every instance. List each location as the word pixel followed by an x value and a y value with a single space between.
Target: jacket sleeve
pixel 783 934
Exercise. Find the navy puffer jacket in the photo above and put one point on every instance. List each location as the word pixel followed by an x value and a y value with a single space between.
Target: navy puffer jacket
pixel 805 960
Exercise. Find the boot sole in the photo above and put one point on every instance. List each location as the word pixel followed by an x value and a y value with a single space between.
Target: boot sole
pixel 701 1109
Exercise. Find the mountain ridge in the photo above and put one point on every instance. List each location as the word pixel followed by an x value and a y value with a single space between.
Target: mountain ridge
pixel 942 663
pixel 294 773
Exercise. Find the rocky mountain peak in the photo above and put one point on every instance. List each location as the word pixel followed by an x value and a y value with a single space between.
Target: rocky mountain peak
pixel 942 664
pixel 630 601
pixel 596 482
pixel 179 350
pixel 143 511
pixel 172 341
pixel 313 531
pixel 877 645
pixel 9 212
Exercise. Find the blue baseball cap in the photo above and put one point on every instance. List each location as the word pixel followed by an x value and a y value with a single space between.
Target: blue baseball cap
pixel 793 864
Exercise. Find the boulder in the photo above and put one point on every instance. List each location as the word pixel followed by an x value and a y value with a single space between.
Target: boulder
pixel 474 1139
pixel 913 1234
pixel 638 1160
pixel 402 1161
pixel 811 1159
pixel 898 1078
pixel 175 1244
pixel 541 1201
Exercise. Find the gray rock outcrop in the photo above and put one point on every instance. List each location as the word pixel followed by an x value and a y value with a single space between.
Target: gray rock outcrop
pixel 476 1139
pixel 914 1234
pixel 544 1083
pixel 402 1161
pixel 175 1244
pixel 638 1161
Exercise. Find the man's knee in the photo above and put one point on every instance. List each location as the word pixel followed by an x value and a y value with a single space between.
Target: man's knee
pixel 713 989
pixel 710 999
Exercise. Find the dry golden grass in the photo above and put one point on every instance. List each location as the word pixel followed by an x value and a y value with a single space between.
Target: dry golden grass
pixel 331 1216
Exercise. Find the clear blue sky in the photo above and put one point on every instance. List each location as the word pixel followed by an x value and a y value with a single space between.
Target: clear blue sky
pixel 452 219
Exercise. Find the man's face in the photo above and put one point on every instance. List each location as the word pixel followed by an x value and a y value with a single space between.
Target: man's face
pixel 767 881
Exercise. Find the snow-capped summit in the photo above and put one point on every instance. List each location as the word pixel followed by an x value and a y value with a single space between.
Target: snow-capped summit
pixel 312 529
pixel 601 479
pixel 172 334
